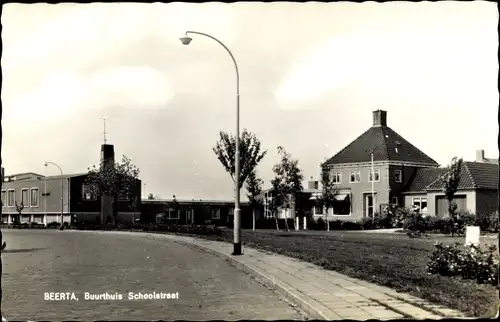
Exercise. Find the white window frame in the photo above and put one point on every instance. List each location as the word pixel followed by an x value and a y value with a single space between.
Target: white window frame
pixel 395 201
pixel 419 200
pixel 37 197
pixel 216 214
pixel 400 172
pixel 13 198
pixel 377 175
pixel 26 203
pixel 4 198
pixel 176 213
pixel 93 197
pixel 358 173
pixel 337 177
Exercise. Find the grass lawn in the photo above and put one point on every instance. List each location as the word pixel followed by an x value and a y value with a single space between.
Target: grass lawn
pixel 392 260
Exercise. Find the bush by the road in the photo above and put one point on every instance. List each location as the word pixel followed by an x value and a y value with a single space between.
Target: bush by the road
pixel 154 227
pixel 385 259
pixel 417 223
pixel 469 262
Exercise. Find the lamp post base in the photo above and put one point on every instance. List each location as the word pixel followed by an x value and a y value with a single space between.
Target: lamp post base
pixel 236 249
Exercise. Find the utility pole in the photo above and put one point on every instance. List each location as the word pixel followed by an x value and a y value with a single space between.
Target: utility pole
pixel 372 177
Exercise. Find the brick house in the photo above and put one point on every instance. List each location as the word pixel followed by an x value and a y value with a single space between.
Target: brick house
pixel 477 190
pixel 402 175
pixel 395 160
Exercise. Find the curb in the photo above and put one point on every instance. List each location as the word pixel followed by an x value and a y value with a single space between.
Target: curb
pixel 308 308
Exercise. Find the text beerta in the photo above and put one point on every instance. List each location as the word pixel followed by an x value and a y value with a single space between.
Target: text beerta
pixel 107 296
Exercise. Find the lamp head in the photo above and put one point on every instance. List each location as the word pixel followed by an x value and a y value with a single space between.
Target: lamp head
pixel 46 164
pixel 185 40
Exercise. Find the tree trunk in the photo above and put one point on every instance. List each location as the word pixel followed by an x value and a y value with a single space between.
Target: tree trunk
pixel 253 219
pixel 277 223
pixel 114 208
pixel 286 222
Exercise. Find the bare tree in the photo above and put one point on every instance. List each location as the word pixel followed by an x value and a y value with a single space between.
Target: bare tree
pixel 254 189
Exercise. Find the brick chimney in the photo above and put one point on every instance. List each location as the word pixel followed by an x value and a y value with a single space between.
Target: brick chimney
pixel 107 154
pixel 107 159
pixel 479 155
pixel 379 118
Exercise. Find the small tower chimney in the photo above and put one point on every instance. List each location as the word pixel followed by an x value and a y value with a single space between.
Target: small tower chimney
pixel 479 155
pixel 107 154
pixel 379 118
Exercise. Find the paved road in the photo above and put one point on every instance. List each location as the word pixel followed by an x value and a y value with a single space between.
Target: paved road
pixel 208 286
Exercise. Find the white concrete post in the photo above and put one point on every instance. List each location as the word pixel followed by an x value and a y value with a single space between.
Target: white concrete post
pixel 305 223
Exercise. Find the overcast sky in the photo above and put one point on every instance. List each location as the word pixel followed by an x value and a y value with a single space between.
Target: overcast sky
pixel 311 75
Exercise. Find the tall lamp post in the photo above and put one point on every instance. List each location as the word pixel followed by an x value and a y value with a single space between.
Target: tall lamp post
pixel 62 191
pixel 186 40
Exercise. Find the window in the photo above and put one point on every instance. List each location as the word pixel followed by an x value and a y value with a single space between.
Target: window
pixel 25 197
pixel 398 176
pixel 231 211
pixel 4 195
pixel 174 214
pixel 124 195
pixel 376 177
pixel 215 213
pixel 25 218
pixel 355 176
pixel 337 177
pixel 11 198
pixel 395 201
pixel 420 204
pixel 38 219
pixel 34 197
pixel 318 210
pixel 87 193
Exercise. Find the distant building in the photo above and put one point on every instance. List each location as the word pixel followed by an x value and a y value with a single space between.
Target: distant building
pixel 186 212
pixel 41 197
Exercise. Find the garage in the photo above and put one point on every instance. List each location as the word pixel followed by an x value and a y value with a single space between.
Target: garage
pixel 442 204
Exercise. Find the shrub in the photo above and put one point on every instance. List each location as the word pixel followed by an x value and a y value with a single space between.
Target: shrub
pixel 53 224
pixel 349 225
pixel 312 224
pixel 366 223
pixel 320 224
pixel 415 223
pixel 398 215
pixel 336 224
pixel 487 222
pixel 469 262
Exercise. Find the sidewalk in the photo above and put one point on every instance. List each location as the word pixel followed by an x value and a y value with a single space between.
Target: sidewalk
pixel 320 293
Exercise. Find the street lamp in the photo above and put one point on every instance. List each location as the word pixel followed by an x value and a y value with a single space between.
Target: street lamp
pixel 186 40
pixel 62 191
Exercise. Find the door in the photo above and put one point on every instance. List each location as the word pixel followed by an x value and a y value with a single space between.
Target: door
pixel 190 217
pixel 442 204
pixel 369 205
